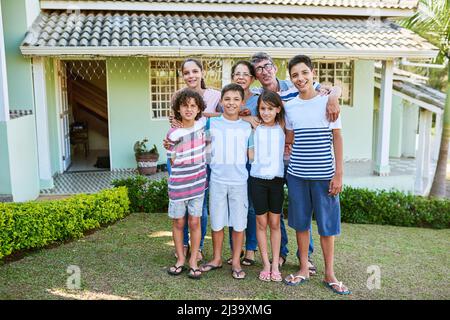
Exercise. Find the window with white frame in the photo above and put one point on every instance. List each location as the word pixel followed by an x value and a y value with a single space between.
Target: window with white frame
pixel 336 73
pixel 166 79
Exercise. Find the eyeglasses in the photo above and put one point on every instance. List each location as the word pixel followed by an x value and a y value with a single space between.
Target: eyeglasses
pixel 267 67
pixel 243 74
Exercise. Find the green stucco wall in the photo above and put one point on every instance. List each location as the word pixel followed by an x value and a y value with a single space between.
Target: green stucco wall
pixel 20 78
pixel 357 120
pixel 24 159
pixel 21 160
pixel 5 171
pixel 129 112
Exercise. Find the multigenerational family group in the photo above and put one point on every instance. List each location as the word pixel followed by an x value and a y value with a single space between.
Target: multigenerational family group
pixel 239 147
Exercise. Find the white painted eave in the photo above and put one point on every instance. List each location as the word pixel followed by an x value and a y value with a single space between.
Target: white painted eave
pixel 223 8
pixel 420 103
pixel 380 54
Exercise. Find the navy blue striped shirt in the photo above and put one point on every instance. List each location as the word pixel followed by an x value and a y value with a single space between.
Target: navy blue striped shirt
pixel 312 152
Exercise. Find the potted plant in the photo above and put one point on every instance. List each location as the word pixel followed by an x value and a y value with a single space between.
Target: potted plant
pixel 147 160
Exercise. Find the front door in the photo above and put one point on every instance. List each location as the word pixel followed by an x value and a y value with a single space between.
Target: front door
pixel 64 115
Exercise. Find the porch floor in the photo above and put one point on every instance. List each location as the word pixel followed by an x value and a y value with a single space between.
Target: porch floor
pixel 90 182
pixel 356 174
pixel 402 176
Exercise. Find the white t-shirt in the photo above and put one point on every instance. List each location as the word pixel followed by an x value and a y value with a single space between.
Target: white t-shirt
pixel 229 147
pixel 268 145
pixel 312 153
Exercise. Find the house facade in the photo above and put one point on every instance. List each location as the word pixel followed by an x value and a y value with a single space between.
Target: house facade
pixel 113 66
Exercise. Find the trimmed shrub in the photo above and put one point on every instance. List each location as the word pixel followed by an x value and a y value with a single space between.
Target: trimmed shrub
pixel 391 208
pixel 37 224
pixel 357 205
pixel 146 195
pixel 394 208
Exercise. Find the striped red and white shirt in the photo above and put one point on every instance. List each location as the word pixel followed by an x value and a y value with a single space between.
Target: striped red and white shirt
pixel 188 162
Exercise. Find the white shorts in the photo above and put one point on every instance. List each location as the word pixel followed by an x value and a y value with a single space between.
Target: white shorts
pixel 228 206
pixel 177 209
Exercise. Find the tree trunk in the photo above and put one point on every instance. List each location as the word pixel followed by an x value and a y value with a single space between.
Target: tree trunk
pixel 438 189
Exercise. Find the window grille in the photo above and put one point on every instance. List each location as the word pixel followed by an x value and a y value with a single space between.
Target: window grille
pixel 166 79
pixel 337 73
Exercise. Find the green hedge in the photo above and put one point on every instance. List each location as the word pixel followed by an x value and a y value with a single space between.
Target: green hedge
pixel 394 208
pixel 145 195
pixel 391 208
pixel 357 205
pixel 36 224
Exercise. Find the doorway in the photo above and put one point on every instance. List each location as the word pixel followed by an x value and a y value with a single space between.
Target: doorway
pixel 83 116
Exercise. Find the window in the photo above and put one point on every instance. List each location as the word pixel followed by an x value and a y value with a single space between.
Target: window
pixel 166 78
pixel 338 73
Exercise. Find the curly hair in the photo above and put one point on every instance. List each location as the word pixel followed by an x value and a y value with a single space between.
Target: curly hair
pixel 183 98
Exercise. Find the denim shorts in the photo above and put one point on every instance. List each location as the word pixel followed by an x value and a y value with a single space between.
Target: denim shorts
pixel 308 196
pixel 228 206
pixel 194 207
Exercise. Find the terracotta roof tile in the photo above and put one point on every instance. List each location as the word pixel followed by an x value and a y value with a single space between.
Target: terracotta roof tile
pixel 122 29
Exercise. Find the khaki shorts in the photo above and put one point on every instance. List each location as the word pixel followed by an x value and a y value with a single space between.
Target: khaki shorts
pixel 177 209
pixel 228 206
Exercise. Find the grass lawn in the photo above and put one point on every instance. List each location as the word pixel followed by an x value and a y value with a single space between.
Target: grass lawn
pixel 129 260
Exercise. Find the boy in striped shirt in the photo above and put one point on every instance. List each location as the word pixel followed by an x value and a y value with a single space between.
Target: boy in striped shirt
pixel 187 180
pixel 314 173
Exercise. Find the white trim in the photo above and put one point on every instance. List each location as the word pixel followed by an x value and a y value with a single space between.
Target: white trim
pixel 226 72
pixel 439 125
pixel 58 97
pixel 384 122
pixel 109 116
pixel 33 10
pixel 423 156
pixel 222 7
pixel 40 102
pixel 4 97
pixel 415 101
pixel 227 52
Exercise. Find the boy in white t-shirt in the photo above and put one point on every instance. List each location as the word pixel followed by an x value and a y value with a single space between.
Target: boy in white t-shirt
pixel 228 200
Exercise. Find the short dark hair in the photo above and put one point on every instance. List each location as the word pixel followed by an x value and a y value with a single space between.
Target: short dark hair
pixel 273 99
pixel 246 63
pixel 233 87
pixel 300 59
pixel 259 56
pixel 182 97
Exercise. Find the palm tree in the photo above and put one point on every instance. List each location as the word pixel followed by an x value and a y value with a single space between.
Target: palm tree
pixel 432 22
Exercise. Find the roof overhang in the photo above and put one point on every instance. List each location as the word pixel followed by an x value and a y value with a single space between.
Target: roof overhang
pixel 226 52
pixel 226 8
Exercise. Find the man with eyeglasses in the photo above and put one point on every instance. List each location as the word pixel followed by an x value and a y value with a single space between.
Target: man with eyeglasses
pixel 266 71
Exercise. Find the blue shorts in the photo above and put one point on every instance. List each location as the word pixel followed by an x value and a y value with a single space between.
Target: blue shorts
pixel 308 196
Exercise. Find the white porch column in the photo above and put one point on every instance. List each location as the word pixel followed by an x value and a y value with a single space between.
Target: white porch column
pixel 226 72
pixel 437 136
pixel 410 124
pixel 4 99
pixel 43 140
pixel 423 156
pixel 384 124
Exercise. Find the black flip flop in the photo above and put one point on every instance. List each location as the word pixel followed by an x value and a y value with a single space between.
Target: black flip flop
pixel 210 266
pixel 248 262
pixel 192 275
pixel 178 270
pixel 230 260
pixel 235 274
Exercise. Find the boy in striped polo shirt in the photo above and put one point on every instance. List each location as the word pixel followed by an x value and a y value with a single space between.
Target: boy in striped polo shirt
pixel 314 173
pixel 187 180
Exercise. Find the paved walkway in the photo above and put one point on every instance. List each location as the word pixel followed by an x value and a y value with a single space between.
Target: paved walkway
pixel 90 182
